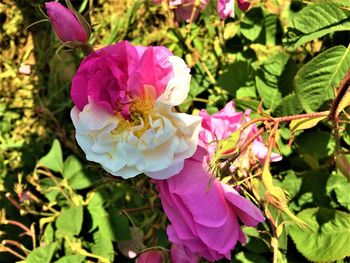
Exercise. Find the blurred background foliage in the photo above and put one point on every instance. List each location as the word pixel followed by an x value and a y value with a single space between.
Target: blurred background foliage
pixel 57 207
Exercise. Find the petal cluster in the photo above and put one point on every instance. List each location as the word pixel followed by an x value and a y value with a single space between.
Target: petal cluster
pixel 204 212
pixel 225 122
pixel 123 115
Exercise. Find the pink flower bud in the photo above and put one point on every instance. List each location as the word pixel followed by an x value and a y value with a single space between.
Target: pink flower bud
pixel 66 24
pixel 150 256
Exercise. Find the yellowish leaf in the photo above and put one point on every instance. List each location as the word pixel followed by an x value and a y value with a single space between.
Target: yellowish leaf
pixel 305 123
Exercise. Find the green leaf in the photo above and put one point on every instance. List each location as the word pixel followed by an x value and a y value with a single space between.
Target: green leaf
pixel 291 183
pixel 42 254
pixel 244 104
pixel 102 246
pixel 252 23
pixel 270 28
pixel 340 185
pixel 305 123
pixel 317 144
pixel 317 20
pixel 269 79
pixel 328 236
pixel 72 166
pixel 53 160
pixel 289 105
pixel 230 30
pixel 342 162
pixel 235 76
pixel 49 235
pixel 312 190
pixel 70 220
pixel 113 225
pixel 71 259
pixel 315 81
pixel 77 177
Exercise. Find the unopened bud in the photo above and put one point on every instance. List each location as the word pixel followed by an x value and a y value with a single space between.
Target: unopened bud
pixel 67 25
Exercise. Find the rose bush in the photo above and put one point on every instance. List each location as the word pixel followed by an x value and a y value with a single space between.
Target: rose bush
pixel 123 115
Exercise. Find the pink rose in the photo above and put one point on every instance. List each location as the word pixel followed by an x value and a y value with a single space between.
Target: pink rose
pixel 150 256
pixel 65 23
pixel 124 97
pixel 223 123
pixel 205 213
pixel 113 75
pixel 205 218
pixel 181 254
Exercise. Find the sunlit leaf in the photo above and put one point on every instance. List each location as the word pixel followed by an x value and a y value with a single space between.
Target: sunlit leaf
pixel 42 254
pixel 70 220
pixel 53 160
pixel 317 20
pixel 328 236
pixel 305 123
pixel 103 246
pixel 315 81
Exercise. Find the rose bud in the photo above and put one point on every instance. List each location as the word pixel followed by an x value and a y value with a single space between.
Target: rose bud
pixel 68 25
pixel 150 256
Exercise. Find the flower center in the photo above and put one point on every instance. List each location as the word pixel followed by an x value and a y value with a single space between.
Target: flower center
pixel 140 112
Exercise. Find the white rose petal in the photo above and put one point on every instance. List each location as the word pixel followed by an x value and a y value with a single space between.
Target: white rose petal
pixel 179 86
pixel 158 149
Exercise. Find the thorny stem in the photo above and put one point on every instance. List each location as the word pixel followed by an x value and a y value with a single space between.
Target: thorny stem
pixel 343 88
pixel 16 244
pixel 284 118
pixel 13 201
pixel 193 13
pixel 20 225
pixel 9 250
pixel 333 112
pixel 50 175
pixel 251 139
pixel 266 176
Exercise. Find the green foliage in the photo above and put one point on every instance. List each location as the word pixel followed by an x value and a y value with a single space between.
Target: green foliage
pixel 316 80
pixel 78 177
pixel 252 23
pixel 53 160
pixel 340 185
pixel 327 237
pixel 42 254
pixel 317 20
pixel 102 246
pixel 70 220
pixel 71 258
pixel 273 79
